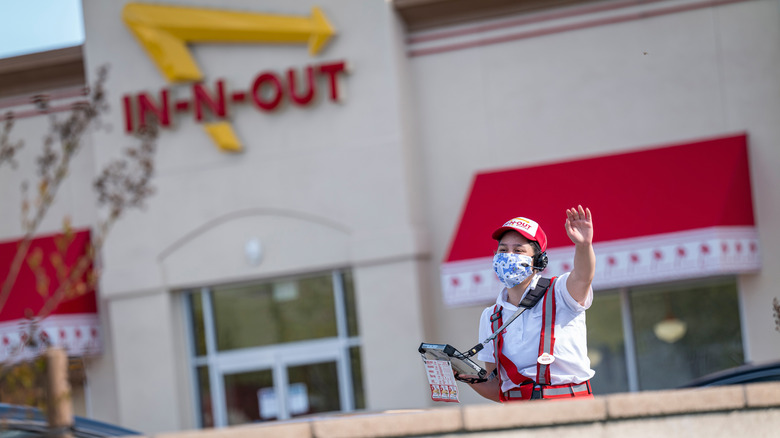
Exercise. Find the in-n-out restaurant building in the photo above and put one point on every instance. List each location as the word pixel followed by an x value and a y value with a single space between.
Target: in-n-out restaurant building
pixel 328 175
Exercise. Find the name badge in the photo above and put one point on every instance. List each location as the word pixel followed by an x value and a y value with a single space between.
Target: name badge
pixel 546 359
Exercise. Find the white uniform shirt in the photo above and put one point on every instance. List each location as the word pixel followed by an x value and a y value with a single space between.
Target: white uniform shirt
pixel 521 340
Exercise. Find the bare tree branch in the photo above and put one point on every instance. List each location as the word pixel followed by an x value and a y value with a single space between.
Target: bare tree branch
pixel 7 148
pixel 52 168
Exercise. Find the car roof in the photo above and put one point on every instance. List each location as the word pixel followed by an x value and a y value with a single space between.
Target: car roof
pixel 29 421
pixel 747 373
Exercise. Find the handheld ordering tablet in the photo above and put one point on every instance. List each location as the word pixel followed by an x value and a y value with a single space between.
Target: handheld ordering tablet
pixel 470 371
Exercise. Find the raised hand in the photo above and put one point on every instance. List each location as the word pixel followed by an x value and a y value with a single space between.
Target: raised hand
pixel 579 225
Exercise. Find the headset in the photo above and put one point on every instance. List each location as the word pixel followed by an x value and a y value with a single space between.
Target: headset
pixel 540 257
pixel 540 261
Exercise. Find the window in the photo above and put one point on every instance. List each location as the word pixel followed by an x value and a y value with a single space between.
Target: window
pixel 606 344
pixel 276 349
pixel 665 336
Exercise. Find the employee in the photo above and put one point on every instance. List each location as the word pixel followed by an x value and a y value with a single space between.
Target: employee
pixel 543 353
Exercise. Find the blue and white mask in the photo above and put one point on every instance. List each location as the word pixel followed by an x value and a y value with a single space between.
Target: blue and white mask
pixel 512 268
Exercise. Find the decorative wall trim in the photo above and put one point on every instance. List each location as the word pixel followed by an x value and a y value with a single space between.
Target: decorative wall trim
pixel 78 334
pixel 565 20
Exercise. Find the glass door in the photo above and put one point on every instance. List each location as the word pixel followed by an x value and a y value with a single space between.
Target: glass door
pixel 281 382
pixel 252 396
pixel 247 397
pixel 313 388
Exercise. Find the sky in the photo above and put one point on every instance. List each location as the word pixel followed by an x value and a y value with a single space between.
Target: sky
pixel 29 26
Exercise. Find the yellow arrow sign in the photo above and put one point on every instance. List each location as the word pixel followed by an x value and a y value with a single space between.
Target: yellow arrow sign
pixel 164 32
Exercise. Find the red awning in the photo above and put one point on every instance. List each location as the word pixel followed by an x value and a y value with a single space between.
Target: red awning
pixel 660 214
pixel 30 310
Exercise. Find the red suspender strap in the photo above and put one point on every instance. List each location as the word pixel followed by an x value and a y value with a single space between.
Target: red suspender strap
pixel 495 323
pixel 501 360
pixel 498 347
pixel 547 339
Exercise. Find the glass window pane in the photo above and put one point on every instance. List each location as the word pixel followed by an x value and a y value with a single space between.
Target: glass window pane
pixel 349 300
pixel 250 397
pixel 274 313
pixel 198 330
pixel 685 331
pixel 314 388
pixel 204 391
pixel 313 313
pixel 606 347
pixel 357 378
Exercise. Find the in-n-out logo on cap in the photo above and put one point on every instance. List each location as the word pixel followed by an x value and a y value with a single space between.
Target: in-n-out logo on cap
pixel 526 225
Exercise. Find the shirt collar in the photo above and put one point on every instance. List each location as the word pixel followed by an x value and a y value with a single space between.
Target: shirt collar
pixel 502 297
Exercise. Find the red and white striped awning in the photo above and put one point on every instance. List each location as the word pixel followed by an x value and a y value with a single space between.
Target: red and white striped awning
pixel 662 214
pixel 73 324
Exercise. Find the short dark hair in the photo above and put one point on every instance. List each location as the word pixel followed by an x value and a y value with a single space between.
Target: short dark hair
pixel 534 244
pixel 537 248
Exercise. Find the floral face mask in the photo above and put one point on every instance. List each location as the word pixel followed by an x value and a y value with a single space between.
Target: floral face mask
pixel 512 268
